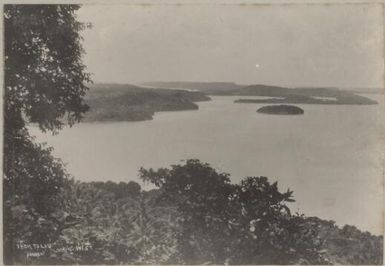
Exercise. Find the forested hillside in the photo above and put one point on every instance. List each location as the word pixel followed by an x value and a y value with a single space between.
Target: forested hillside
pixel 114 102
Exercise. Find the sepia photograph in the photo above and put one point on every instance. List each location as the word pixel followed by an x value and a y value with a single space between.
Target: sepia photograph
pixel 193 133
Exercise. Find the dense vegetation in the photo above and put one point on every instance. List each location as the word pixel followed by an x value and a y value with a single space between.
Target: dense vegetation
pixel 114 102
pixel 43 82
pixel 196 216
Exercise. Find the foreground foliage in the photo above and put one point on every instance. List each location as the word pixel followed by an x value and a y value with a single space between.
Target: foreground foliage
pixel 43 83
pixel 196 216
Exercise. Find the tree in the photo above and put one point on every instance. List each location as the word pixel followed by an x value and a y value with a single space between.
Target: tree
pixel 201 196
pixel 220 222
pixel 121 189
pixel 266 232
pixel 44 80
pixel 44 73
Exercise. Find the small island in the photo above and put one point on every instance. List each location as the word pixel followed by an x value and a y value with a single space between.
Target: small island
pixel 281 110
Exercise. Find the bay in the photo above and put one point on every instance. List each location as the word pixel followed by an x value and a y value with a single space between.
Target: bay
pixel 331 157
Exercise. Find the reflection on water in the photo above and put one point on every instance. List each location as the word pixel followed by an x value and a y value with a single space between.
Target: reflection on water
pixel 330 156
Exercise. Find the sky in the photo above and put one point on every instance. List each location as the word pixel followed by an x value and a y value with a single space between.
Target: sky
pixel 287 45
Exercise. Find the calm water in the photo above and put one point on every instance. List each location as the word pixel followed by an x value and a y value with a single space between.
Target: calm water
pixel 330 156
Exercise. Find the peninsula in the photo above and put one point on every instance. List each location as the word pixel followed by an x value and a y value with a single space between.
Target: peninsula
pixel 125 102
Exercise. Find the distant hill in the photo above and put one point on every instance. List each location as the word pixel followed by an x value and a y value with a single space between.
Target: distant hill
pixel 351 99
pixel 206 87
pixel 260 90
pixel 124 102
pixel 301 95
pixel 304 95
pixel 368 90
pixel 286 95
